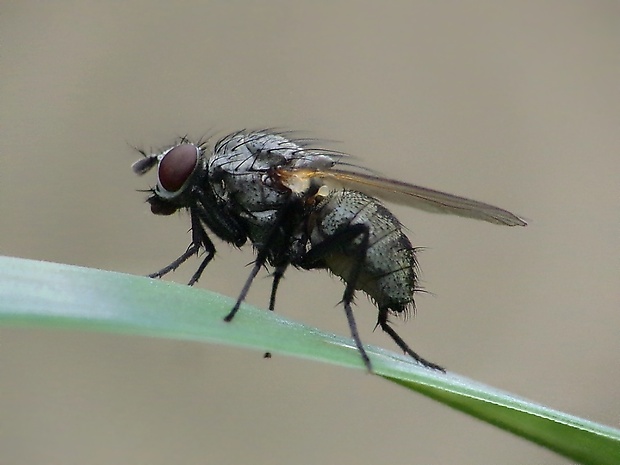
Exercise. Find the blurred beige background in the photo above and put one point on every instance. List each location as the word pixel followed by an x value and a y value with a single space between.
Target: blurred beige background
pixel 514 103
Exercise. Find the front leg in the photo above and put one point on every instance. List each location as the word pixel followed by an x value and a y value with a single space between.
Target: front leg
pixel 200 238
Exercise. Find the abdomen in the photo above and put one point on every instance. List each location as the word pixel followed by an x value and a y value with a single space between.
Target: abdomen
pixel 388 272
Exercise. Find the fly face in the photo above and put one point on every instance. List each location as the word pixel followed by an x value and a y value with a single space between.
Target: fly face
pixel 299 207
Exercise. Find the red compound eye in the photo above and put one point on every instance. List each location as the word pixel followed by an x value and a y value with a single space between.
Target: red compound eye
pixel 176 167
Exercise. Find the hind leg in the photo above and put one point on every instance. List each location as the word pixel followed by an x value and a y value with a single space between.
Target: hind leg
pixel 314 258
pixel 385 326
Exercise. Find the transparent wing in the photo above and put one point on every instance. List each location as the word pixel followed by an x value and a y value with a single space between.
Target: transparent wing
pixel 405 194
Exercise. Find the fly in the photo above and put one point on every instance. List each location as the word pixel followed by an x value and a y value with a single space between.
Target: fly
pixel 304 207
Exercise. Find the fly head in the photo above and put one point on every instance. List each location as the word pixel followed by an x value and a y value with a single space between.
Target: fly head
pixel 179 169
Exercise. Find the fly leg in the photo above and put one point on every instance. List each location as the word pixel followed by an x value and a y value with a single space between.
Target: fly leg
pixel 277 277
pixel 191 250
pixel 200 238
pixel 385 326
pixel 261 259
pixel 314 258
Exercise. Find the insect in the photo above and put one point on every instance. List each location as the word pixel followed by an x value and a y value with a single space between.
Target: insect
pixel 301 206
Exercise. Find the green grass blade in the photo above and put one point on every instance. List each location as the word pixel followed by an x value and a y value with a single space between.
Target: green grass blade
pixel 41 294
